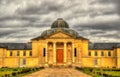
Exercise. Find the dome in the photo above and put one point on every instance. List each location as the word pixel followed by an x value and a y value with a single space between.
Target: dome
pixel 54 30
pixel 59 23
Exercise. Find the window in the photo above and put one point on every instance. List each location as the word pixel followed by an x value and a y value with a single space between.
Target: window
pixel 102 53
pixel 24 53
pixel 96 53
pixel 18 53
pixel 30 53
pixel 89 53
pixel 11 53
pixel 75 52
pixel 44 51
pixel 109 53
pixel 24 61
pixel 95 62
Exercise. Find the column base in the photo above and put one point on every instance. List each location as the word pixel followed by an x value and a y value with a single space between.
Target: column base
pixel 46 65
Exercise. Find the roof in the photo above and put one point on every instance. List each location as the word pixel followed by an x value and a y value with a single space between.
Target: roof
pixel 16 46
pixel 59 23
pixel 103 46
pixel 28 46
pixel 55 30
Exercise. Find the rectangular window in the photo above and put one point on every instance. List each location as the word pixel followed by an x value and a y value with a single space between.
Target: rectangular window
pixel 96 53
pixel 11 53
pixel 24 61
pixel 44 51
pixel 75 52
pixel 109 53
pixel 24 53
pixel 95 62
pixel 102 53
pixel 18 53
pixel 89 53
pixel 30 53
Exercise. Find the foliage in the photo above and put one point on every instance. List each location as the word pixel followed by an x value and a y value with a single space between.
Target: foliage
pixel 101 72
pixel 15 72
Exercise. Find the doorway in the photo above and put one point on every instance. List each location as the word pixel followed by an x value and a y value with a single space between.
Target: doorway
pixel 59 56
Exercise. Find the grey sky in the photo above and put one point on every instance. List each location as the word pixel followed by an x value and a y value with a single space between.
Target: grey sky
pixel 22 20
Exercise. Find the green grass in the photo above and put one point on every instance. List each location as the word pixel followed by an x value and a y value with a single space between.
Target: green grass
pixel 101 72
pixel 17 72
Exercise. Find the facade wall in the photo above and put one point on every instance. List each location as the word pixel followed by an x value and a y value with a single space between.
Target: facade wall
pixel 118 57
pixel 84 48
pixel 1 57
pixel 83 58
pixel 99 60
pixel 16 60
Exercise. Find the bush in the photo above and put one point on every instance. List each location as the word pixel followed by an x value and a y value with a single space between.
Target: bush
pixel 101 72
pixel 7 72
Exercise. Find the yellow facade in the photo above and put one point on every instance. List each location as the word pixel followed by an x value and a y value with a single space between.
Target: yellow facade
pixel 59 48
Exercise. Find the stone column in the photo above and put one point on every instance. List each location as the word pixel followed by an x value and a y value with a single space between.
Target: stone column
pixel 73 59
pixel 65 52
pixel 54 52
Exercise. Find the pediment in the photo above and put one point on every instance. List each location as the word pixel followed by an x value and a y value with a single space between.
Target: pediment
pixel 60 35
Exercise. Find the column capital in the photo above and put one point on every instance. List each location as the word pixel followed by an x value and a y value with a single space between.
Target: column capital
pixel 65 42
pixel 54 42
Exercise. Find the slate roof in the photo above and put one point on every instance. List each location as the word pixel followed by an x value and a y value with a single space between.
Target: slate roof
pixel 16 46
pixel 59 23
pixel 28 46
pixel 103 46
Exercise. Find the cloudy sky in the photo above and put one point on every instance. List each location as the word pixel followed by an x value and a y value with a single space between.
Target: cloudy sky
pixel 97 20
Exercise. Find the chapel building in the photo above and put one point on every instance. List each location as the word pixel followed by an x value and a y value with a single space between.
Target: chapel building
pixel 60 46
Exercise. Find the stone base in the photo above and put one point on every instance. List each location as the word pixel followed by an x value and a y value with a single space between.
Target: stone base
pixel 46 65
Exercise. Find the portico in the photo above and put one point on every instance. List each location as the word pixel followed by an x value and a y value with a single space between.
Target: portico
pixel 59 53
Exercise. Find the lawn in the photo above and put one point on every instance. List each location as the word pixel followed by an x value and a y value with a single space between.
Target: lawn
pixel 17 72
pixel 101 72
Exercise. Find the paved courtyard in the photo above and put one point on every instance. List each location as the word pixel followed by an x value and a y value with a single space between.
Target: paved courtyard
pixel 58 72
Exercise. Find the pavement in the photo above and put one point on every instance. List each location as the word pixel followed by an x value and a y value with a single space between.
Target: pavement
pixel 58 72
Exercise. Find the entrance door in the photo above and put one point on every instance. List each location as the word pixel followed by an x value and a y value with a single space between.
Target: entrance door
pixel 59 55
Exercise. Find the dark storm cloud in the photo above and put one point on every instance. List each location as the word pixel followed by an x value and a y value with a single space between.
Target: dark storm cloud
pixel 118 5
pixel 45 8
pixel 101 26
pixel 5 33
pixel 115 2
pixel 28 18
pixel 18 17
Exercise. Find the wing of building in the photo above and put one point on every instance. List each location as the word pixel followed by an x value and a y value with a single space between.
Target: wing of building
pixel 60 46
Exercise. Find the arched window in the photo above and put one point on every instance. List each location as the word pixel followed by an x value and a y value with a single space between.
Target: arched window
pixel 89 53
pixel 24 61
pixel 11 53
pixel 75 52
pixel 95 62
pixel 96 53
pixel 44 51
pixel 102 53
pixel 30 54
pixel 24 53
pixel 109 53
pixel 18 53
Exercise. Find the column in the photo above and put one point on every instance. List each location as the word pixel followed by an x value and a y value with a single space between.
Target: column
pixel 54 52
pixel 46 53
pixel 73 60
pixel 65 52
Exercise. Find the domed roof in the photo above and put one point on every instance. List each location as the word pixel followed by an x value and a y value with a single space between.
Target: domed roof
pixel 54 30
pixel 59 26
pixel 59 23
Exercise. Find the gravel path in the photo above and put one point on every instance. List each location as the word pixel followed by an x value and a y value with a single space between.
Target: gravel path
pixel 58 72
